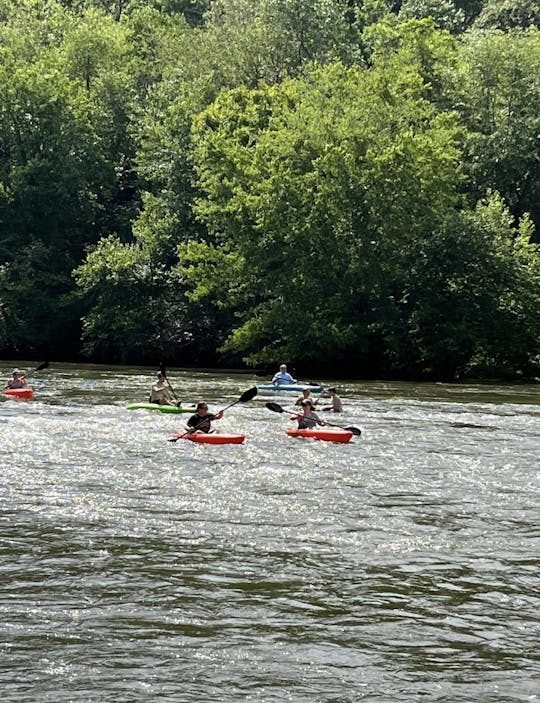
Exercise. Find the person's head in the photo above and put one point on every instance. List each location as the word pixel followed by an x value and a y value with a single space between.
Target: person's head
pixel 160 376
pixel 202 408
pixel 16 373
pixel 307 404
pixel 283 367
pixel 332 391
pixel 306 392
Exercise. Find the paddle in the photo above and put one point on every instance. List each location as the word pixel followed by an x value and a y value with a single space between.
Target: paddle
pixel 42 366
pixel 162 370
pixel 278 409
pixel 246 395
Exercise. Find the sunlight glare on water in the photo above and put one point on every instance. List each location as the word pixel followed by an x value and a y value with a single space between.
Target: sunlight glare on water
pixel 400 567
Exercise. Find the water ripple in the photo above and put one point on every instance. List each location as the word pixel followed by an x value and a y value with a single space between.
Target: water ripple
pixel 402 567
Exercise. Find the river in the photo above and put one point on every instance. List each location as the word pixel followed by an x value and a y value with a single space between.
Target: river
pixel 401 567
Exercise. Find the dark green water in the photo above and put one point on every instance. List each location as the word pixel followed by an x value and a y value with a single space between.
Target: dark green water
pixel 402 567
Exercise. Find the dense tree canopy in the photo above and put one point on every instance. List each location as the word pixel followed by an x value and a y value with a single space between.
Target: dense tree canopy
pixel 337 184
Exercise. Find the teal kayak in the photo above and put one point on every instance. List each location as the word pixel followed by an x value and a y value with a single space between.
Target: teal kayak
pixel 290 387
pixel 160 408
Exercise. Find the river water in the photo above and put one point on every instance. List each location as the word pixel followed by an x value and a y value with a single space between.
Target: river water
pixel 401 567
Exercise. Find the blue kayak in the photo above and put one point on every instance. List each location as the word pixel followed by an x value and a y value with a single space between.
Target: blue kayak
pixel 289 387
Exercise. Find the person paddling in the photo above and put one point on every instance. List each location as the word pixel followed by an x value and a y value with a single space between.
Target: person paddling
pixel 283 377
pixel 309 419
pixel 161 392
pixel 17 380
pixel 201 420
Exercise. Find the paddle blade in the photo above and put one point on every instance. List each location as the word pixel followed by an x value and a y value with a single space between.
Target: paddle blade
pixel 247 395
pixel 42 366
pixel 162 369
pixel 354 430
pixel 274 407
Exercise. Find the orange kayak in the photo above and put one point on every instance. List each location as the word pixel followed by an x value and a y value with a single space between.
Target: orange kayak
pixel 25 393
pixel 324 433
pixel 211 438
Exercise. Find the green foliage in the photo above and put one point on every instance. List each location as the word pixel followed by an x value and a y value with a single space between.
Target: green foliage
pixel 333 182
pixel 319 185
pixel 509 14
pixel 444 12
pixel 253 41
pixel 137 309
pixel 470 304
pixel 498 94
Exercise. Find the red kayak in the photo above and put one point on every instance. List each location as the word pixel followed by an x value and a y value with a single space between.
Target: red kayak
pixel 25 393
pixel 324 433
pixel 211 438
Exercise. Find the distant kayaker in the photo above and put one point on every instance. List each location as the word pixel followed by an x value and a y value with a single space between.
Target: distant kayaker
pixel 308 419
pixel 17 380
pixel 282 377
pixel 202 419
pixel 306 395
pixel 336 406
pixel 161 392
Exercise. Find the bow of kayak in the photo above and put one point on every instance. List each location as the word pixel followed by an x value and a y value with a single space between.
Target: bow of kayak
pixel 22 393
pixel 323 433
pixel 211 437
pixel 159 408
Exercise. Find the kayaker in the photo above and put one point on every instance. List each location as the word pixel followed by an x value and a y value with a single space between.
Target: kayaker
pixel 202 419
pixel 309 419
pixel 161 392
pixel 282 377
pixel 336 406
pixel 17 380
pixel 306 395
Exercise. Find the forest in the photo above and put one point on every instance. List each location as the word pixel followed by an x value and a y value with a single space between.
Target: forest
pixel 351 187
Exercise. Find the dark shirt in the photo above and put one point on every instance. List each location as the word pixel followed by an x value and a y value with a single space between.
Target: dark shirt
pixel 201 423
pixel 16 383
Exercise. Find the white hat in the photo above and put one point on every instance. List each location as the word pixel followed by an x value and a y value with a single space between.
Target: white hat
pixel 15 371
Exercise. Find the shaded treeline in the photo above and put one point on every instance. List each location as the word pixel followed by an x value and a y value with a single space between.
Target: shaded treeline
pixel 350 187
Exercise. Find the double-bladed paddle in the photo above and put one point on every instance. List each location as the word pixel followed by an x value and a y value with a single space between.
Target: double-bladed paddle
pixel 162 371
pixel 42 366
pixel 246 395
pixel 278 409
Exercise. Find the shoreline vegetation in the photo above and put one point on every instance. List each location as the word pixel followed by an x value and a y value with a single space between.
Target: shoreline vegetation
pixel 348 187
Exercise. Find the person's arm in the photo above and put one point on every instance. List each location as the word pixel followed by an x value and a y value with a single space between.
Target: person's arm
pixel 170 399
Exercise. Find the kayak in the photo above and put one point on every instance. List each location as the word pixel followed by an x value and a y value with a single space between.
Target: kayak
pixel 159 408
pixel 327 434
pixel 25 393
pixel 212 437
pixel 290 387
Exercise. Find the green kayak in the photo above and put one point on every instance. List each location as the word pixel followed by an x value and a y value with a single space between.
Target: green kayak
pixel 160 408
